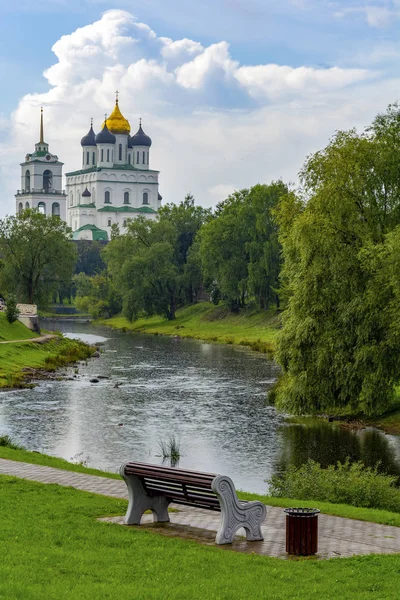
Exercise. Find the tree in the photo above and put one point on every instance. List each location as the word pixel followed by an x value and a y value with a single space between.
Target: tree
pixel 89 259
pixel 340 344
pixel 97 295
pixel 37 254
pixel 240 252
pixel 12 312
pixel 151 263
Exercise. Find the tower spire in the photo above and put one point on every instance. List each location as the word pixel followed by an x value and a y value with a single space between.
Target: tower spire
pixel 41 141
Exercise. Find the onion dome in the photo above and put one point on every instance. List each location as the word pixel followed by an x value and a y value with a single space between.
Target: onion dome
pixel 86 193
pixel 90 138
pixel 116 122
pixel 105 136
pixel 140 138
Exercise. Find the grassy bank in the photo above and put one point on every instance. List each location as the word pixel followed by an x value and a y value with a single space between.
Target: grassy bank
pixel 17 358
pixel 340 510
pixel 64 552
pixel 204 321
pixel 14 331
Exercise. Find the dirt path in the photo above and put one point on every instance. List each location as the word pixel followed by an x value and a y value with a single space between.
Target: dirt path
pixel 39 340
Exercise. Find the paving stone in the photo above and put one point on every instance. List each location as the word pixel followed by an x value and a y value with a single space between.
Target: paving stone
pixel 337 537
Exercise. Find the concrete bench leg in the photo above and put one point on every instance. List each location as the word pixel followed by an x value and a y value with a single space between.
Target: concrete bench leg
pixel 139 502
pixel 236 514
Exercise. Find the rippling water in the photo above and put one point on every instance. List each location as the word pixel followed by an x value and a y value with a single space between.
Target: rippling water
pixel 210 397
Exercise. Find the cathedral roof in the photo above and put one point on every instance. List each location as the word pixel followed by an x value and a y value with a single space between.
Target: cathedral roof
pixel 105 136
pixel 90 138
pixel 116 122
pixel 140 138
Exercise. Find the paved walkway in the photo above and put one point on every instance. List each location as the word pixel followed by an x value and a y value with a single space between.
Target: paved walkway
pixel 338 537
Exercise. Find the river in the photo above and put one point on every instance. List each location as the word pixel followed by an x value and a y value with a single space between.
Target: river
pixel 211 398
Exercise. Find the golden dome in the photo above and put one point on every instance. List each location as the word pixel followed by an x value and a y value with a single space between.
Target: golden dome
pixel 116 122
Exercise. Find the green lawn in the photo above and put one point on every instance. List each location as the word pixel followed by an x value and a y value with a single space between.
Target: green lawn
pixel 14 331
pixel 253 328
pixel 53 548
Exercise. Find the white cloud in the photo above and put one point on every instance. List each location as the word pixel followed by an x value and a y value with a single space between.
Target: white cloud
pixel 211 119
pixel 379 14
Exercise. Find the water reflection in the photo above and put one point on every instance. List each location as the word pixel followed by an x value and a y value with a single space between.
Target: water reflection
pixel 210 397
pixel 328 444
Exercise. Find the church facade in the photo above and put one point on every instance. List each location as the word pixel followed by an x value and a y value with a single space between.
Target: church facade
pixel 115 182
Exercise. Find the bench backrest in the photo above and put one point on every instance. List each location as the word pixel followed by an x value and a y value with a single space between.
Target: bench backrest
pixel 180 485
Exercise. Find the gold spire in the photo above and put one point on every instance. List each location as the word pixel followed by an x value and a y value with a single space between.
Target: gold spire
pixel 41 141
pixel 116 122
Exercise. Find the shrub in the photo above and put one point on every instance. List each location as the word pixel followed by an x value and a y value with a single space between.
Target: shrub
pixel 5 440
pixel 12 312
pixel 344 483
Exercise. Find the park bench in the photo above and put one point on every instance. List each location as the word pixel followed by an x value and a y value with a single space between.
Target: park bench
pixel 153 487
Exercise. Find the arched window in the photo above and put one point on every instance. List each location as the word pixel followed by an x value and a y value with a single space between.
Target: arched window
pixel 109 223
pixel 47 180
pixel 55 209
pixel 93 195
pixel 107 199
pixel 124 223
pixel 108 155
pixel 27 181
pixel 144 157
pixel 145 198
pixel 137 157
pixel 94 158
pixel 26 204
pixel 42 208
pixel 126 197
pixel 120 152
pixel 129 158
pixel 20 207
pixel 71 199
pixel 102 155
pixel 87 158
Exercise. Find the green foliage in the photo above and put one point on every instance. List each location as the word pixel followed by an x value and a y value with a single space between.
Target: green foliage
pixel 345 483
pixel 37 253
pixel 240 252
pixel 340 345
pixel 152 264
pixel 89 259
pixel 97 295
pixel 12 312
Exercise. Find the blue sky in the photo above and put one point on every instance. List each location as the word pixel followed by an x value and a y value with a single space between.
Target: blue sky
pixel 329 57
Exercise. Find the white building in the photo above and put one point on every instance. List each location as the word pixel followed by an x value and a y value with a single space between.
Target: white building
pixel 41 181
pixel 115 182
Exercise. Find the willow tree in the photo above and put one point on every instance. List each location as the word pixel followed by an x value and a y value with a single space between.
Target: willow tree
pixel 340 344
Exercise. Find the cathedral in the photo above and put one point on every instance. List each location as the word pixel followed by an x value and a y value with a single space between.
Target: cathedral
pixel 114 184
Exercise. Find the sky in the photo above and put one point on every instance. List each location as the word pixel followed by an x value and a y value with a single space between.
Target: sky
pixel 232 92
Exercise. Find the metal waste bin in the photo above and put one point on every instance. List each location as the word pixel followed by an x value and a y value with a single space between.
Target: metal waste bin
pixel 302 531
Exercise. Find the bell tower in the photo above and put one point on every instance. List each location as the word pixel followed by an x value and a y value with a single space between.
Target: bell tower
pixel 41 181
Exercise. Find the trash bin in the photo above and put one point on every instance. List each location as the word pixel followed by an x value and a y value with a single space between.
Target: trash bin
pixel 302 531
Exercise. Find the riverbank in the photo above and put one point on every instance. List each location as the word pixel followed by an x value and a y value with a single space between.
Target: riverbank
pixel 371 515
pixel 27 356
pixel 255 329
